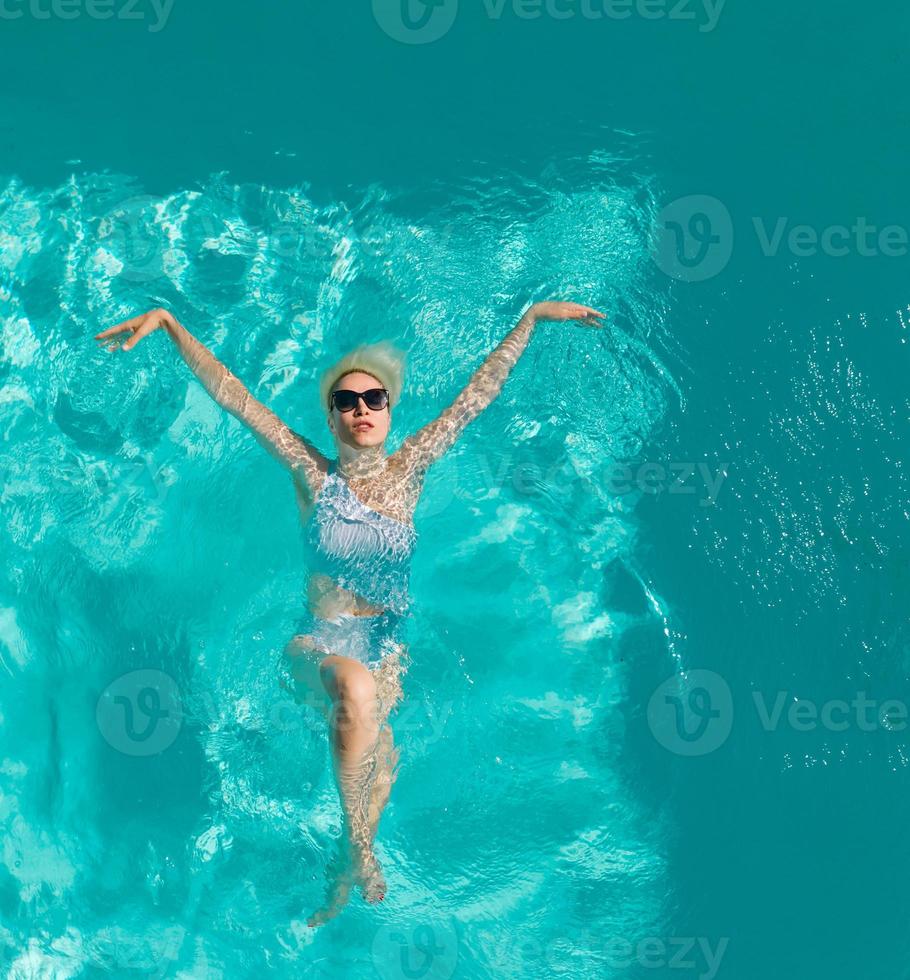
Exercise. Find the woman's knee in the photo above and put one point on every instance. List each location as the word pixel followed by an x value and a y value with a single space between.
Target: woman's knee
pixel 358 695
pixel 349 682
pixel 300 661
pixel 299 673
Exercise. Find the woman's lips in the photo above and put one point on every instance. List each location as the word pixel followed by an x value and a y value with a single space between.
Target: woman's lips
pixel 363 425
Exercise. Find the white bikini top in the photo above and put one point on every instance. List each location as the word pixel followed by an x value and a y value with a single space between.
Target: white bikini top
pixel 359 548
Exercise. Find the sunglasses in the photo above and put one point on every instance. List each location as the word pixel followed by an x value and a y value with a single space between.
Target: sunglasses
pixel 345 400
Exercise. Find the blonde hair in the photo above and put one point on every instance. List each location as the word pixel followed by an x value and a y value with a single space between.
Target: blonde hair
pixel 381 360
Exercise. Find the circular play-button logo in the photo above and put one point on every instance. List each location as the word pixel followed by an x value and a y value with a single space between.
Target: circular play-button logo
pixel 415 21
pixel 140 713
pixel 130 231
pixel 692 238
pixel 692 713
pixel 426 949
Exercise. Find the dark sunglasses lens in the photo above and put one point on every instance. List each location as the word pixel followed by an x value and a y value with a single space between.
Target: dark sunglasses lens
pixel 375 398
pixel 346 400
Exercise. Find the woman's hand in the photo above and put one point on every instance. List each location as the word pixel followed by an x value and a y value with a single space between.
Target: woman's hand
pixel 138 327
pixel 288 447
pixel 566 311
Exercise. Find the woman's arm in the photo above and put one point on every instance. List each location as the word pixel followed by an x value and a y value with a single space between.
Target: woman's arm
pixel 429 443
pixel 291 449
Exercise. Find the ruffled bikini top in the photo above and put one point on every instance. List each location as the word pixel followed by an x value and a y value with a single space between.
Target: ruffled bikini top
pixel 359 548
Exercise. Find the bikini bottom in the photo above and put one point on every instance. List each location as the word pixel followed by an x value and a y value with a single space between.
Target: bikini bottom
pixel 368 639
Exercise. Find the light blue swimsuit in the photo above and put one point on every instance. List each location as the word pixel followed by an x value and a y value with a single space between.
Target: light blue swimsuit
pixel 368 553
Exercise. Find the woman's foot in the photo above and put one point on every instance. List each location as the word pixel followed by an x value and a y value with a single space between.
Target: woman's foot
pixel 340 871
pixel 347 870
pixel 335 901
pixel 369 877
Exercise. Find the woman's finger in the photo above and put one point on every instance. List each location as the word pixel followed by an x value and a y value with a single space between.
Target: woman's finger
pixel 590 321
pixel 143 331
pixel 130 324
pixel 109 343
pixel 112 343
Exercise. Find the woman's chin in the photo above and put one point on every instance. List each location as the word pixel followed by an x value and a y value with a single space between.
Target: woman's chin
pixel 368 437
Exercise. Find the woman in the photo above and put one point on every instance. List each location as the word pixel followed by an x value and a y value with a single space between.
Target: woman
pixel 358 511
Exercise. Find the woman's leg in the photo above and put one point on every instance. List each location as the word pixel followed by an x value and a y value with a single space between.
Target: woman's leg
pixel 303 656
pixel 353 738
pixel 355 730
pixel 356 703
pixel 389 692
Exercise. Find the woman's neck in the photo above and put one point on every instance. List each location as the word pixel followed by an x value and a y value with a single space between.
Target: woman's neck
pixel 361 464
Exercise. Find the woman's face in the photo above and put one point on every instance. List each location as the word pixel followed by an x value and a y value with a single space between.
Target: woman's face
pixel 360 427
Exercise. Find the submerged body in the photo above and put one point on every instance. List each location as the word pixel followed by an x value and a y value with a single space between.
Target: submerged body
pixel 358 595
pixel 359 562
pixel 348 657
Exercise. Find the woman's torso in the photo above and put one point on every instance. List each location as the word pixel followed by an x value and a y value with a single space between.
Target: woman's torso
pixel 359 555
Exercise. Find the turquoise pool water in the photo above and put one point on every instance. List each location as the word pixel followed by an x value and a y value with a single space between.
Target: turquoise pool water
pixel 656 714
